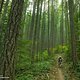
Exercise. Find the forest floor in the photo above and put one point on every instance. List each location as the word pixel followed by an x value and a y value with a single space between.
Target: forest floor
pixel 54 72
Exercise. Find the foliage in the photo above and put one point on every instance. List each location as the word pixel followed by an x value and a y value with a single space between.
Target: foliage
pixel 29 72
pixel 61 49
pixel 24 69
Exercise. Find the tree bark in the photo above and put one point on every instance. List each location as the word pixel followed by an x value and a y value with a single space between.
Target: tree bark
pixel 11 38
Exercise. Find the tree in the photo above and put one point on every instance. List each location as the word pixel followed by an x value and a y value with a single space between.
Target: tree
pixel 66 23
pixel 32 21
pixel 1 5
pixel 62 26
pixel 34 41
pixel 39 14
pixel 42 37
pixel 72 30
pixel 52 26
pixel 48 27
pixel 11 38
pixel 3 23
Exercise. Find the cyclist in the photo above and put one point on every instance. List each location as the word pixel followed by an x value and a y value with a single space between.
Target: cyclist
pixel 60 61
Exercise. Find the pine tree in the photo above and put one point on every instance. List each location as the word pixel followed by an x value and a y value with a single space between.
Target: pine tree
pixel 11 38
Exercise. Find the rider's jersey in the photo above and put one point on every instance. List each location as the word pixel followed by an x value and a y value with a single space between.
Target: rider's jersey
pixel 60 60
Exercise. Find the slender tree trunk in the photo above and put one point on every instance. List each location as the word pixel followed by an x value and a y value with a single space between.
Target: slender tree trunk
pixel 32 21
pixel 66 23
pixel 1 5
pixel 52 26
pixel 79 11
pixel 48 27
pixel 72 30
pixel 28 26
pixel 38 30
pixel 42 37
pixel 43 30
pixel 62 29
pixel 34 42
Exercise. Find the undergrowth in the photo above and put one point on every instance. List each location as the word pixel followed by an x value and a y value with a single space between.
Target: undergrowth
pixel 25 70
pixel 29 72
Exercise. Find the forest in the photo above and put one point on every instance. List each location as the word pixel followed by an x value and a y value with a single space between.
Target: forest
pixel 39 39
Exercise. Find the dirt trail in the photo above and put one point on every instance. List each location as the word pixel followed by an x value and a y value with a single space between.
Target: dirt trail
pixel 56 74
pixel 61 77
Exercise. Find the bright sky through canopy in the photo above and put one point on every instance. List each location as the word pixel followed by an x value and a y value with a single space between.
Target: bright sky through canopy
pixel 31 5
pixel 59 1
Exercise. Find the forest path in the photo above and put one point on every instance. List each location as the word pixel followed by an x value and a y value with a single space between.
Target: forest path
pixel 59 74
pixel 61 77
pixel 56 72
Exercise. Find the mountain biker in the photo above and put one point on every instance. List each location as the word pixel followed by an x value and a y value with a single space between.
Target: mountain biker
pixel 60 61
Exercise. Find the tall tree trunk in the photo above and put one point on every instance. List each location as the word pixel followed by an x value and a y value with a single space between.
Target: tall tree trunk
pixel 62 29
pixel 79 11
pixel 66 23
pixel 38 30
pixel 34 42
pixel 32 21
pixel 11 38
pixel 1 5
pixel 48 27
pixel 2 23
pixel 72 30
pixel 24 20
pixel 42 37
pixel 3 29
pixel 52 26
